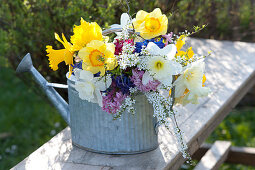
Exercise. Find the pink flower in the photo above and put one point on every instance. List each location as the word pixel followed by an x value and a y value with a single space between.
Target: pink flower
pixel 168 38
pixel 119 44
pixel 137 80
pixel 113 101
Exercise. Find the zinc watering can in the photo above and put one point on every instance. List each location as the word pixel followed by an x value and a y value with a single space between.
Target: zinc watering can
pixel 92 128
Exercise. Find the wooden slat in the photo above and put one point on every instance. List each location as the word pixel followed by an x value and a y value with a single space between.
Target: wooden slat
pixel 236 155
pixel 224 97
pixel 230 72
pixel 215 156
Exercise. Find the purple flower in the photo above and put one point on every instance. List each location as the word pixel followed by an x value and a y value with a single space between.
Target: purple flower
pixel 137 80
pixel 113 100
pixel 168 38
pixel 123 82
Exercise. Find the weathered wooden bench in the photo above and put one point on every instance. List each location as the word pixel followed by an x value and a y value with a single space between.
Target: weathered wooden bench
pixel 212 156
pixel 230 74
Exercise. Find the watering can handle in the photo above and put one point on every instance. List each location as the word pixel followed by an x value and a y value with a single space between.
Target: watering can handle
pixel 57 85
pixel 117 29
pixel 61 105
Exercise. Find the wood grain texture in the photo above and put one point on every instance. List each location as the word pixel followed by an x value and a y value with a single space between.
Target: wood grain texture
pixel 236 155
pixel 215 156
pixel 230 73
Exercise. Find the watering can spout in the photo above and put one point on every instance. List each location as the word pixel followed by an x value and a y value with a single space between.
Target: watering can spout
pixel 61 105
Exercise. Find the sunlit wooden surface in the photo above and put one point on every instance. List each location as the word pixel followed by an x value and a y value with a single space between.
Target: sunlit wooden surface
pixel 230 72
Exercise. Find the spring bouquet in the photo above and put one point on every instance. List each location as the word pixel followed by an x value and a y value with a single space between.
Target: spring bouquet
pixel 142 59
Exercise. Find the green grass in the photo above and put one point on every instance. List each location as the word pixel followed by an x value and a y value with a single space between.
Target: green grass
pixel 26 116
pixel 238 127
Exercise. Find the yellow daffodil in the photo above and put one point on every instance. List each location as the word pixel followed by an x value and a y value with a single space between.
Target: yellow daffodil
pixel 188 54
pixel 57 56
pixel 152 24
pixel 98 56
pixel 179 43
pixel 85 33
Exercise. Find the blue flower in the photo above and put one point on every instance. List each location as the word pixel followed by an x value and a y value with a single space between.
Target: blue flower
pixel 138 45
pixel 77 65
pixel 123 82
pixel 97 74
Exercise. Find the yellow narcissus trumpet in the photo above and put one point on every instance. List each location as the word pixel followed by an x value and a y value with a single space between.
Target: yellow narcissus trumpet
pixel 98 56
pixel 85 33
pixel 151 25
pixel 57 56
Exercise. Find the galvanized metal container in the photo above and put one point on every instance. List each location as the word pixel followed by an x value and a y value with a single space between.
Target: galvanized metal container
pixel 95 130
pixel 92 128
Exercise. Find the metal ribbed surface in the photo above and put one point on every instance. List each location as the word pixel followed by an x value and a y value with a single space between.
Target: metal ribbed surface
pixel 95 130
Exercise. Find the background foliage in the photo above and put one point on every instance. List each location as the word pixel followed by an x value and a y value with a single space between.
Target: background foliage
pixel 29 25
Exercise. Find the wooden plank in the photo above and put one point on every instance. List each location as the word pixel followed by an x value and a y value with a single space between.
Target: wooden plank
pixel 230 72
pixel 202 150
pixel 236 155
pixel 211 112
pixel 52 153
pixel 215 156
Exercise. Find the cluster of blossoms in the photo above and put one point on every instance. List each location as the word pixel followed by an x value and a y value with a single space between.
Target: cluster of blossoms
pixel 142 59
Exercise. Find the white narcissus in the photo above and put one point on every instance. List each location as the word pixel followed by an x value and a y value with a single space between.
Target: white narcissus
pixel 124 21
pixel 162 69
pixel 90 87
pixel 169 51
pixel 189 84
pixel 160 64
pixel 146 78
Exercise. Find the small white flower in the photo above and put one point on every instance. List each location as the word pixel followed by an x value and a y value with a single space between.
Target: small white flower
pixel 169 51
pixel 89 87
pixel 163 69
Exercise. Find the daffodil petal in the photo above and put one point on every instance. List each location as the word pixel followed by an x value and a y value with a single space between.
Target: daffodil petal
pixel 146 78
pixel 169 51
pixel 176 68
pixel 58 56
pixel 86 75
pixel 99 98
pixel 104 83
pixel 124 20
pixel 180 42
pixel 85 33
pixel 153 49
